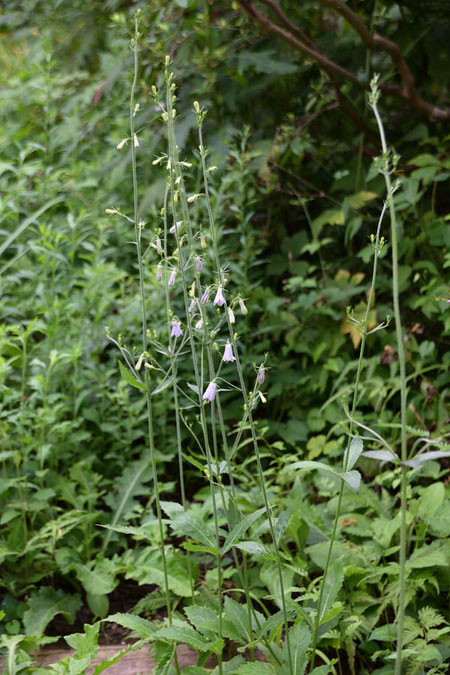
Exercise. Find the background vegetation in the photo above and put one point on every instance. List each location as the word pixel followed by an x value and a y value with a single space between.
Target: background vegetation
pixel 296 198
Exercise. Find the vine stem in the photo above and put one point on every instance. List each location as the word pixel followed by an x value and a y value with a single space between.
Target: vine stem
pixel 376 244
pixel 402 368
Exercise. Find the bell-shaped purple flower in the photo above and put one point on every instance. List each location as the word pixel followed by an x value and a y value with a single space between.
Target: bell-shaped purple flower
pixel 210 392
pixel 198 264
pixel 176 330
pixel 158 273
pixel 172 277
pixel 219 299
pixel 192 306
pixel 205 296
pixel 228 353
pixel 261 376
pixel 199 324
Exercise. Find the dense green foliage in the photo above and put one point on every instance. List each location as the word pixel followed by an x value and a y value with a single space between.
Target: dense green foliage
pixel 296 196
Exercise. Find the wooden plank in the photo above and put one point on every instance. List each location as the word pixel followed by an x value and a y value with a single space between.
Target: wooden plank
pixel 133 663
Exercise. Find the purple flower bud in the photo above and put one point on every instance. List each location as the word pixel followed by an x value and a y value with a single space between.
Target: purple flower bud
pixel 231 315
pixel 261 376
pixel 228 353
pixel 210 392
pixel 158 246
pixel 173 274
pixel 176 330
pixel 205 296
pixel 158 273
pixel 198 264
pixel 199 324
pixel 219 299
pixel 192 306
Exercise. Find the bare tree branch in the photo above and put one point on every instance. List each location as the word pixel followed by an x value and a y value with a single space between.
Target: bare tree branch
pixel 294 36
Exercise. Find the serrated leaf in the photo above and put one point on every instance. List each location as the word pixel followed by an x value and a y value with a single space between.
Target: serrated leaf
pixel 195 528
pixel 44 605
pixel 204 619
pixel 142 627
pixel 130 378
pixel 354 451
pixel 186 634
pixel 240 529
pixel 274 621
pixel 299 639
pixel 237 614
pixel 427 557
pixel 332 586
pixel 352 478
pixel 98 604
pixel 85 644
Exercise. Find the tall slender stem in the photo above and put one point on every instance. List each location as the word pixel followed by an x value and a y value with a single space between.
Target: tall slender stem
pixel 386 171
pixel 138 233
pixel 245 396
pixel 377 249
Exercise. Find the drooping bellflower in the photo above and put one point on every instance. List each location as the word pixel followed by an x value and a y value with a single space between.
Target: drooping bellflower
pixel 210 392
pixel 219 299
pixel 228 353
pixel 176 330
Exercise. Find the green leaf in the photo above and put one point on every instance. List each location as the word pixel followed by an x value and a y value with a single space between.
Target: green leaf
pixel 28 221
pixel 148 569
pixel 142 627
pixel 98 604
pixel 253 547
pixel 427 557
pixel 430 500
pixel 194 527
pixel 101 579
pixel 237 614
pixel 204 619
pixel 242 527
pixel 274 621
pixel 129 485
pixel 259 668
pixel 130 378
pixel 352 478
pixel 299 639
pixel 320 466
pixel 185 633
pixel 85 644
pixel 328 217
pixel 332 586
pixel 354 451
pixel 45 605
pixel 386 633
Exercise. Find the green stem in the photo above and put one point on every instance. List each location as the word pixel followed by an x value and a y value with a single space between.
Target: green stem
pixel 246 399
pixel 376 244
pixel 174 172
pixel 403 393
pixel 138 233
